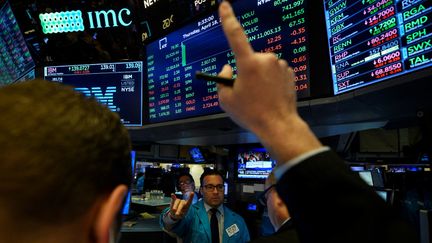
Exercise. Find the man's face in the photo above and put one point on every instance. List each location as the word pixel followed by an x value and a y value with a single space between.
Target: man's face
pixel 186 185
pixel 212 190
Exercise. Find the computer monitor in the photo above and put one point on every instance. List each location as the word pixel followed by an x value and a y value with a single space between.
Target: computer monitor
pixel 172 60
pixel 196 155
pixel 372 177
pixel 126 206
pixel 366 176
pixel 118 85
pixel 16 63
pixel 357 167
pixel 254 163
pixel 373 41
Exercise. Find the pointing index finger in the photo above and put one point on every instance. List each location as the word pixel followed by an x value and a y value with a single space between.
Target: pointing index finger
pixel 234 32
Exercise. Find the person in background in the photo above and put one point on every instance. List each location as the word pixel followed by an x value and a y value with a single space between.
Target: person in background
pixel 327 202
pixel 208 220
pixel 76 154
pixel 278 214
pixel 186 185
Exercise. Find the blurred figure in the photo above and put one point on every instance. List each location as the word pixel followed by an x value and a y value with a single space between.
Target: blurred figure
pixel 278 215
pixel 186 185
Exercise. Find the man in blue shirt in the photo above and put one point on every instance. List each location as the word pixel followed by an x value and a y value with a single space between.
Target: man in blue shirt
pixel 208 220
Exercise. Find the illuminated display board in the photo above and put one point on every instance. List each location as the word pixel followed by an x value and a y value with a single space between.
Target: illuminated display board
pixel 272 26
pixel 116 85
pixel 15 60
pixel 374 40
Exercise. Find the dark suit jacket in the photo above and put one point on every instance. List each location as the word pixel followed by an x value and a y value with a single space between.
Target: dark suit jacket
pixel 285 234
pixel 329 203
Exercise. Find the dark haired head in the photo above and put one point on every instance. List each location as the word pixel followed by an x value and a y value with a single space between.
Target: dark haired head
pixel 60 152
pixel 208 172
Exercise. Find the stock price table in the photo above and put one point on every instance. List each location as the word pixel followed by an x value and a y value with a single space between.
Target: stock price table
pixel 373 40
pixel 272 26
pixel 15 59
pixel 116 85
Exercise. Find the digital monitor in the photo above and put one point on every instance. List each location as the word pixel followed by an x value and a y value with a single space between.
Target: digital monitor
pixel 196 155
pixel 226 189
pixel 117 85
pixel 371 41
pixel 16 63
pixel 126 206
pixel 357 167
pixel 254 163
pixel 366 176
pixel 271 26
pixel 252 207
pixel 382 194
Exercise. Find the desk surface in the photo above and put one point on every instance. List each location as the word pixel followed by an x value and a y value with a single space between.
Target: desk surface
pixel 143 225
pixel 152 202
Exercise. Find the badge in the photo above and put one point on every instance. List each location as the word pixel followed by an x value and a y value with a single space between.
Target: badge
pixel 232 230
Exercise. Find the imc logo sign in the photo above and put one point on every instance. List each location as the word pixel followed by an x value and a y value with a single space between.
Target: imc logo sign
pixel 72 21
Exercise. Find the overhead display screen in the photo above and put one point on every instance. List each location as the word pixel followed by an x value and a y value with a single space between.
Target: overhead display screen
pixel 272 26
pixel 16 62
pixel 374 40
pixel 116 85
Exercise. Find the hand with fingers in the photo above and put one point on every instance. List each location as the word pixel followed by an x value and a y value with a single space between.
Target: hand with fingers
pixel 263 97
pixel 179 208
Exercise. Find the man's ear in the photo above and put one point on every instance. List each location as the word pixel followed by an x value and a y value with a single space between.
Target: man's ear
pixel 107 215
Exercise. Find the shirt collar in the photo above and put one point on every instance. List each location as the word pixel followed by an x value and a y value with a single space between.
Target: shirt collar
pixel 220 208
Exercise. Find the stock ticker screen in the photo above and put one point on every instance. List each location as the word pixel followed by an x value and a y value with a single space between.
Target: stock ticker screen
pixel 116 85
pixel 374 40
pixel 16 63
pixel 272 26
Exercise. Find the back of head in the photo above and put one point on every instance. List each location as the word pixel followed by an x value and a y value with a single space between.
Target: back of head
pixel 59 153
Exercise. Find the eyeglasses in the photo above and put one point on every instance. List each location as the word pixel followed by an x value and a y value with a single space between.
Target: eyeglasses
pixel 181 183
pixel 262 198
pixel 211 187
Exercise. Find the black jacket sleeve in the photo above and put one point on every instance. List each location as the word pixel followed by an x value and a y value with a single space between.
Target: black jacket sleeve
pixel 329 203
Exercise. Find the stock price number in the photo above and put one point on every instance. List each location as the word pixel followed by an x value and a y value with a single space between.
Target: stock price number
pixel 298 31
pixel 133 65
pixel 389 70
pixel 209 105
pixel 301 87
pixel 107 67
pixel 387 59
pixel 292 5
pixel 300 68
pixel 299 59
pixel 296 22
pixel 293 14
pixel 301 77
pixel 299 40
pixel 274 39
pixel 79 68
pixel 272 48
pixel 299 49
